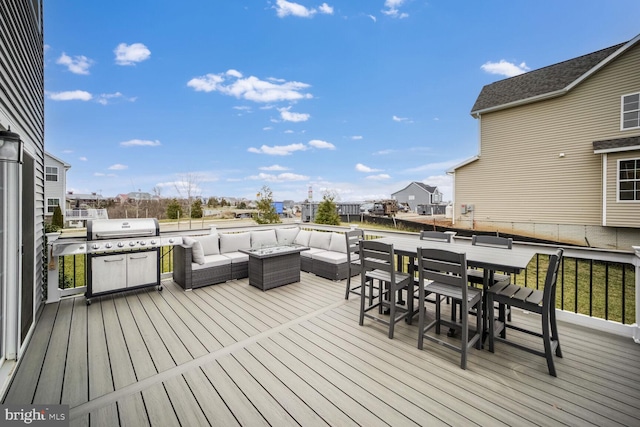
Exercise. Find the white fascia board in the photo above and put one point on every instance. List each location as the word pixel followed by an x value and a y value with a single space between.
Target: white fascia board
pixel 458 166
pixel 617 149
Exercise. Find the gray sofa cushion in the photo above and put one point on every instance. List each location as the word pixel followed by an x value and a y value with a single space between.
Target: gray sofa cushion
pixel 338 243
pixel 287 236
pixel 197 253
pixel 320 240
pixel 212 261
pixel 302 238
pixel 231 242
pixel 236 257
pixel 330 257
pixel 263 239
pixel 209 243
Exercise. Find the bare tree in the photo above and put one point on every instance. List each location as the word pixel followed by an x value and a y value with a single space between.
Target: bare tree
pixel 157 191
pixel 188 187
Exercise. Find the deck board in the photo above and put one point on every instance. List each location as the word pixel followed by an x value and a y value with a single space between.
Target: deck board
pixel 75 373
pixel 231 354
pixel 51 378
pixel 100 378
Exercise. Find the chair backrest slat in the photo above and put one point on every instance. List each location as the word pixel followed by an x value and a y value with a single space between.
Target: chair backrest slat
pixel 377 256
pixel 436 236
pixel 495 241
pixel 443 266
pixel 353 243
pixel 551 278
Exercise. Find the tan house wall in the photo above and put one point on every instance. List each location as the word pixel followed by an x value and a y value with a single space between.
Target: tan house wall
pixel 537 164
pixel 619 214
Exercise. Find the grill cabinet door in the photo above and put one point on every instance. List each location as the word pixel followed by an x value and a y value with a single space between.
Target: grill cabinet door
pixel 108 273
pixel 142 268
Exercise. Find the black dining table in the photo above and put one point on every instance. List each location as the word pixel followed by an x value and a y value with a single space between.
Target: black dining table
pixel 490 259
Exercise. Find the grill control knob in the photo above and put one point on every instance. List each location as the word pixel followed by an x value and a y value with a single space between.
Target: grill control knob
pixel 153 242
pixel 120 244
pixel 142 243
pixel 132 243
pixel 108 245
pixel 95 246
pixel 171 240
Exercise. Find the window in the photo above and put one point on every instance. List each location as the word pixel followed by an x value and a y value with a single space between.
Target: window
pixel 629 180
pixel 631 111
pixel 51 173
pixel 51 205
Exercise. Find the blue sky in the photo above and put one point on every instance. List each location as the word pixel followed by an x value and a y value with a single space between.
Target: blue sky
pixel 355 97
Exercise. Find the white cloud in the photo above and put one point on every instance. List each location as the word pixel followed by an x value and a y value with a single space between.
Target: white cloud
pixel 118 167
pixel 288 116
pixel 326 9
pixel 106 98
pixel 373 18
pixel 131 54
pixel 284 8
pixel 356 137
pixel 289 131
pixel 380 177
pixel 438 166
pixel 400 119
pixel 393 9
pixel 82 159
pixel 278 150
pixel 283 177
pixel 505 68
pixel 273 168
pixel 78 64
pixel 140 143
pixel 317 143
pixel 99 174
pixel 250 88
pixel 267 128
pixel 366 169
pixel 71 95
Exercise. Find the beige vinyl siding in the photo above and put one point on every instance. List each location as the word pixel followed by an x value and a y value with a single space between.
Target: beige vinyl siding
pixel 520 176
pixel 619 214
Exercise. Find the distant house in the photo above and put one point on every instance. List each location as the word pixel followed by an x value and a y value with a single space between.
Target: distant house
pixel 139 196
pixel 418 193
pixel 55 184
pixel 559 153
pixel 85 200
pixel 121 198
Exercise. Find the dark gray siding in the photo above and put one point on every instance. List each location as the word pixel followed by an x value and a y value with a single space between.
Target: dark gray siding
pixel 22 97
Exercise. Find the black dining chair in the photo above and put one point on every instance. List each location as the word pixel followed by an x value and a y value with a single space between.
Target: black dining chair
pixel 542 302
pixel 353 238
pixel 477 276
pixel 377 261
pixel 444 273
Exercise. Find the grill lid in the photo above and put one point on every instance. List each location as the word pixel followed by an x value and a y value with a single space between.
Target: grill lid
pixel 102 229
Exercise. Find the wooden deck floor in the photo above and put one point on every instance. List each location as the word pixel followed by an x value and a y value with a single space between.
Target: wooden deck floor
pixel 230 354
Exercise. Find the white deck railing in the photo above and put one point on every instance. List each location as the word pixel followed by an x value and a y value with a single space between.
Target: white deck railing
pixel 628 258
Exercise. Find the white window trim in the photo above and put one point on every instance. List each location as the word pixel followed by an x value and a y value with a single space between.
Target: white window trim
pixel 618 182
pixel 48 205
pixel 622 128
pixel 57 173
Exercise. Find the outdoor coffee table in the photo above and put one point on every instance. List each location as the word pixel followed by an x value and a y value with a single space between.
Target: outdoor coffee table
pixel 274 266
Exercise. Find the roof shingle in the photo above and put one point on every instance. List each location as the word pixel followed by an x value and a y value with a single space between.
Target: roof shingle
pixel 539 82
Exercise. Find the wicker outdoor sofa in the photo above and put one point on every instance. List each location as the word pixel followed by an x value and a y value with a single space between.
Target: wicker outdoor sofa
pixel 215 258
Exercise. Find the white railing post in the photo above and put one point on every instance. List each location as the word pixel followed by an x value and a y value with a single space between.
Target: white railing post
pixel 636 327
pixel 53 290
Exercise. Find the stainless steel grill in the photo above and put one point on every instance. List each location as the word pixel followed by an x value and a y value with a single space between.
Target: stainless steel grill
pixel 122 254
